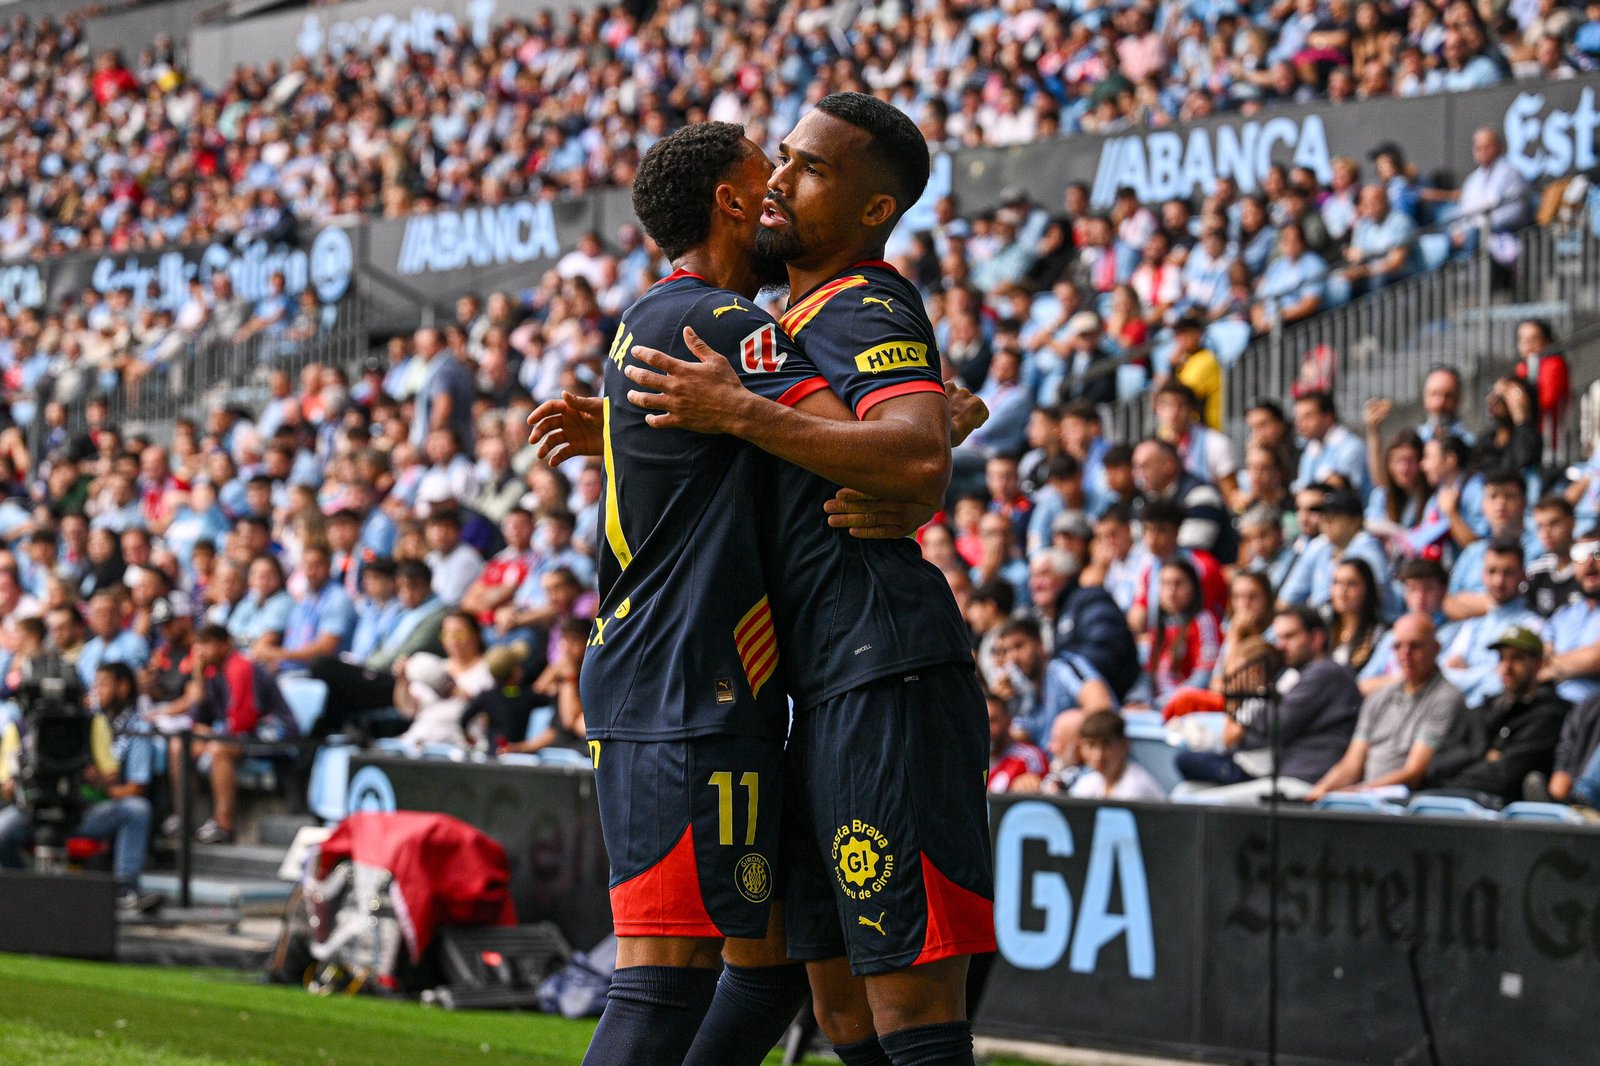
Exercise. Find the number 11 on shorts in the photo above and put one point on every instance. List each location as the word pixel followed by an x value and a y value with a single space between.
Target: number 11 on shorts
pixel 722 781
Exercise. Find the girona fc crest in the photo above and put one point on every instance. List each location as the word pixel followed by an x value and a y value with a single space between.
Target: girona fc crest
pixel 857 861
pixel 759 351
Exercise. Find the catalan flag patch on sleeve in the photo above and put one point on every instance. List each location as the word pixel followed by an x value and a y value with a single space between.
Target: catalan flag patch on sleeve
pixel 757 642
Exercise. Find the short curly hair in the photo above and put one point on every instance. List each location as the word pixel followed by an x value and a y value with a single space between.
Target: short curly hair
pixel 677 177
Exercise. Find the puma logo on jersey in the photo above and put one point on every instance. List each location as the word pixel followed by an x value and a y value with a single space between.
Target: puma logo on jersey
pixel 862 919
pixel 876 300
pixel 718 312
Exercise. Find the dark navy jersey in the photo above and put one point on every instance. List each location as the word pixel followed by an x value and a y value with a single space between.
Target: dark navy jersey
pixel 684 643
pixel 850 610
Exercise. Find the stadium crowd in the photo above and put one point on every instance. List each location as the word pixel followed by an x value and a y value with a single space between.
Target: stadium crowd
pixel 106 151
pixel 1422 599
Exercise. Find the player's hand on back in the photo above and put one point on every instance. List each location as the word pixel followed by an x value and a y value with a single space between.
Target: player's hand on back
pixel 703 395
pixel 873 519
pixel 967 412
pixel 566 427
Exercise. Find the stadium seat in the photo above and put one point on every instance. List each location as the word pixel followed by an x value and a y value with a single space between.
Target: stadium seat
pixel 539 721
pixel 1357 802
pixel 327 792
pixel 1447 807
pixel 1528 811
pixel 1433 249
pixel 1228 339
pixel 306 697
pixel 563 757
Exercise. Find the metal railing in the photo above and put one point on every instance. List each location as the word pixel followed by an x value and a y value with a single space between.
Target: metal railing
pixel 1463 314
pixel 212 373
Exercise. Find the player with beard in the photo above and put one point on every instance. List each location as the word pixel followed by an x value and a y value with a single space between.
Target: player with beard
pixel 886 849
pixel 686 720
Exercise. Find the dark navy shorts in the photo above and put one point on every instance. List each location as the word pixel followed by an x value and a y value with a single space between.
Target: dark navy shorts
pixel 887 857
pixel 691 829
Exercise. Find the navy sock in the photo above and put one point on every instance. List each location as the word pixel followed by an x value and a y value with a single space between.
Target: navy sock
pixel 944 1044
pixel 866 1052
pixel 752 1008
pixel 651 1016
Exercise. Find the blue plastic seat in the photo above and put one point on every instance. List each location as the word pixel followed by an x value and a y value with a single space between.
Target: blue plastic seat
pixel 327 792
pixel 306 697
pixel 1528 811
pixel 1359 802
pixel 1447 807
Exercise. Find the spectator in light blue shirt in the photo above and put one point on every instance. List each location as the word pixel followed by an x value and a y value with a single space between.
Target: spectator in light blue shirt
pixel 1310 581
pixel 259 620
pixel 1574 636
pixel 1294 285
pixel 1504 498
pixel 1463 69
pixel 1469 661
pixel 322 620
pixel 378 610
pixel 111 643
pixel 1381 248
pixel 1329 448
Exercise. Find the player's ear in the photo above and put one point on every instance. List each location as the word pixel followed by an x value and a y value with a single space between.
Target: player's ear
pixel 878 210
pixel 729 202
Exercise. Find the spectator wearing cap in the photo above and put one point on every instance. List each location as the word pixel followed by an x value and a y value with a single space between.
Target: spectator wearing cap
pixel 1403 723
pixel 1294 285
pixel 111 641
pixel 1112 774
pixel 1206 453
pixel 1160 476
pixel 323 618
pixel 1504 499
pixel 1309 581
pixel 1195 367
pixel 1469 660
pixel 1329 448
pixel 455 564
pixel 1574 630
pixel 166 674
pixel 1014 765
pixel 1088 362
pixel 1492 751
pixel 1552 577
pixel 1072 533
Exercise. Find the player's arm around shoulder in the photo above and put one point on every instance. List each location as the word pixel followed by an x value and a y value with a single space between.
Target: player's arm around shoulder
pixel 731 365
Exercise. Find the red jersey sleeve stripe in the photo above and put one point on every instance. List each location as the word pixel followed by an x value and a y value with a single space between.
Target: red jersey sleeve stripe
pixel 801 390
pixel 889 392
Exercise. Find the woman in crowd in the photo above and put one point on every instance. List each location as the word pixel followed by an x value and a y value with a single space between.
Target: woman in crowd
pixel 1512 439
pixel 1401 492
pixel 1354 613
pixel 1186 634
pixel 1125 325
pixel 1250 601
